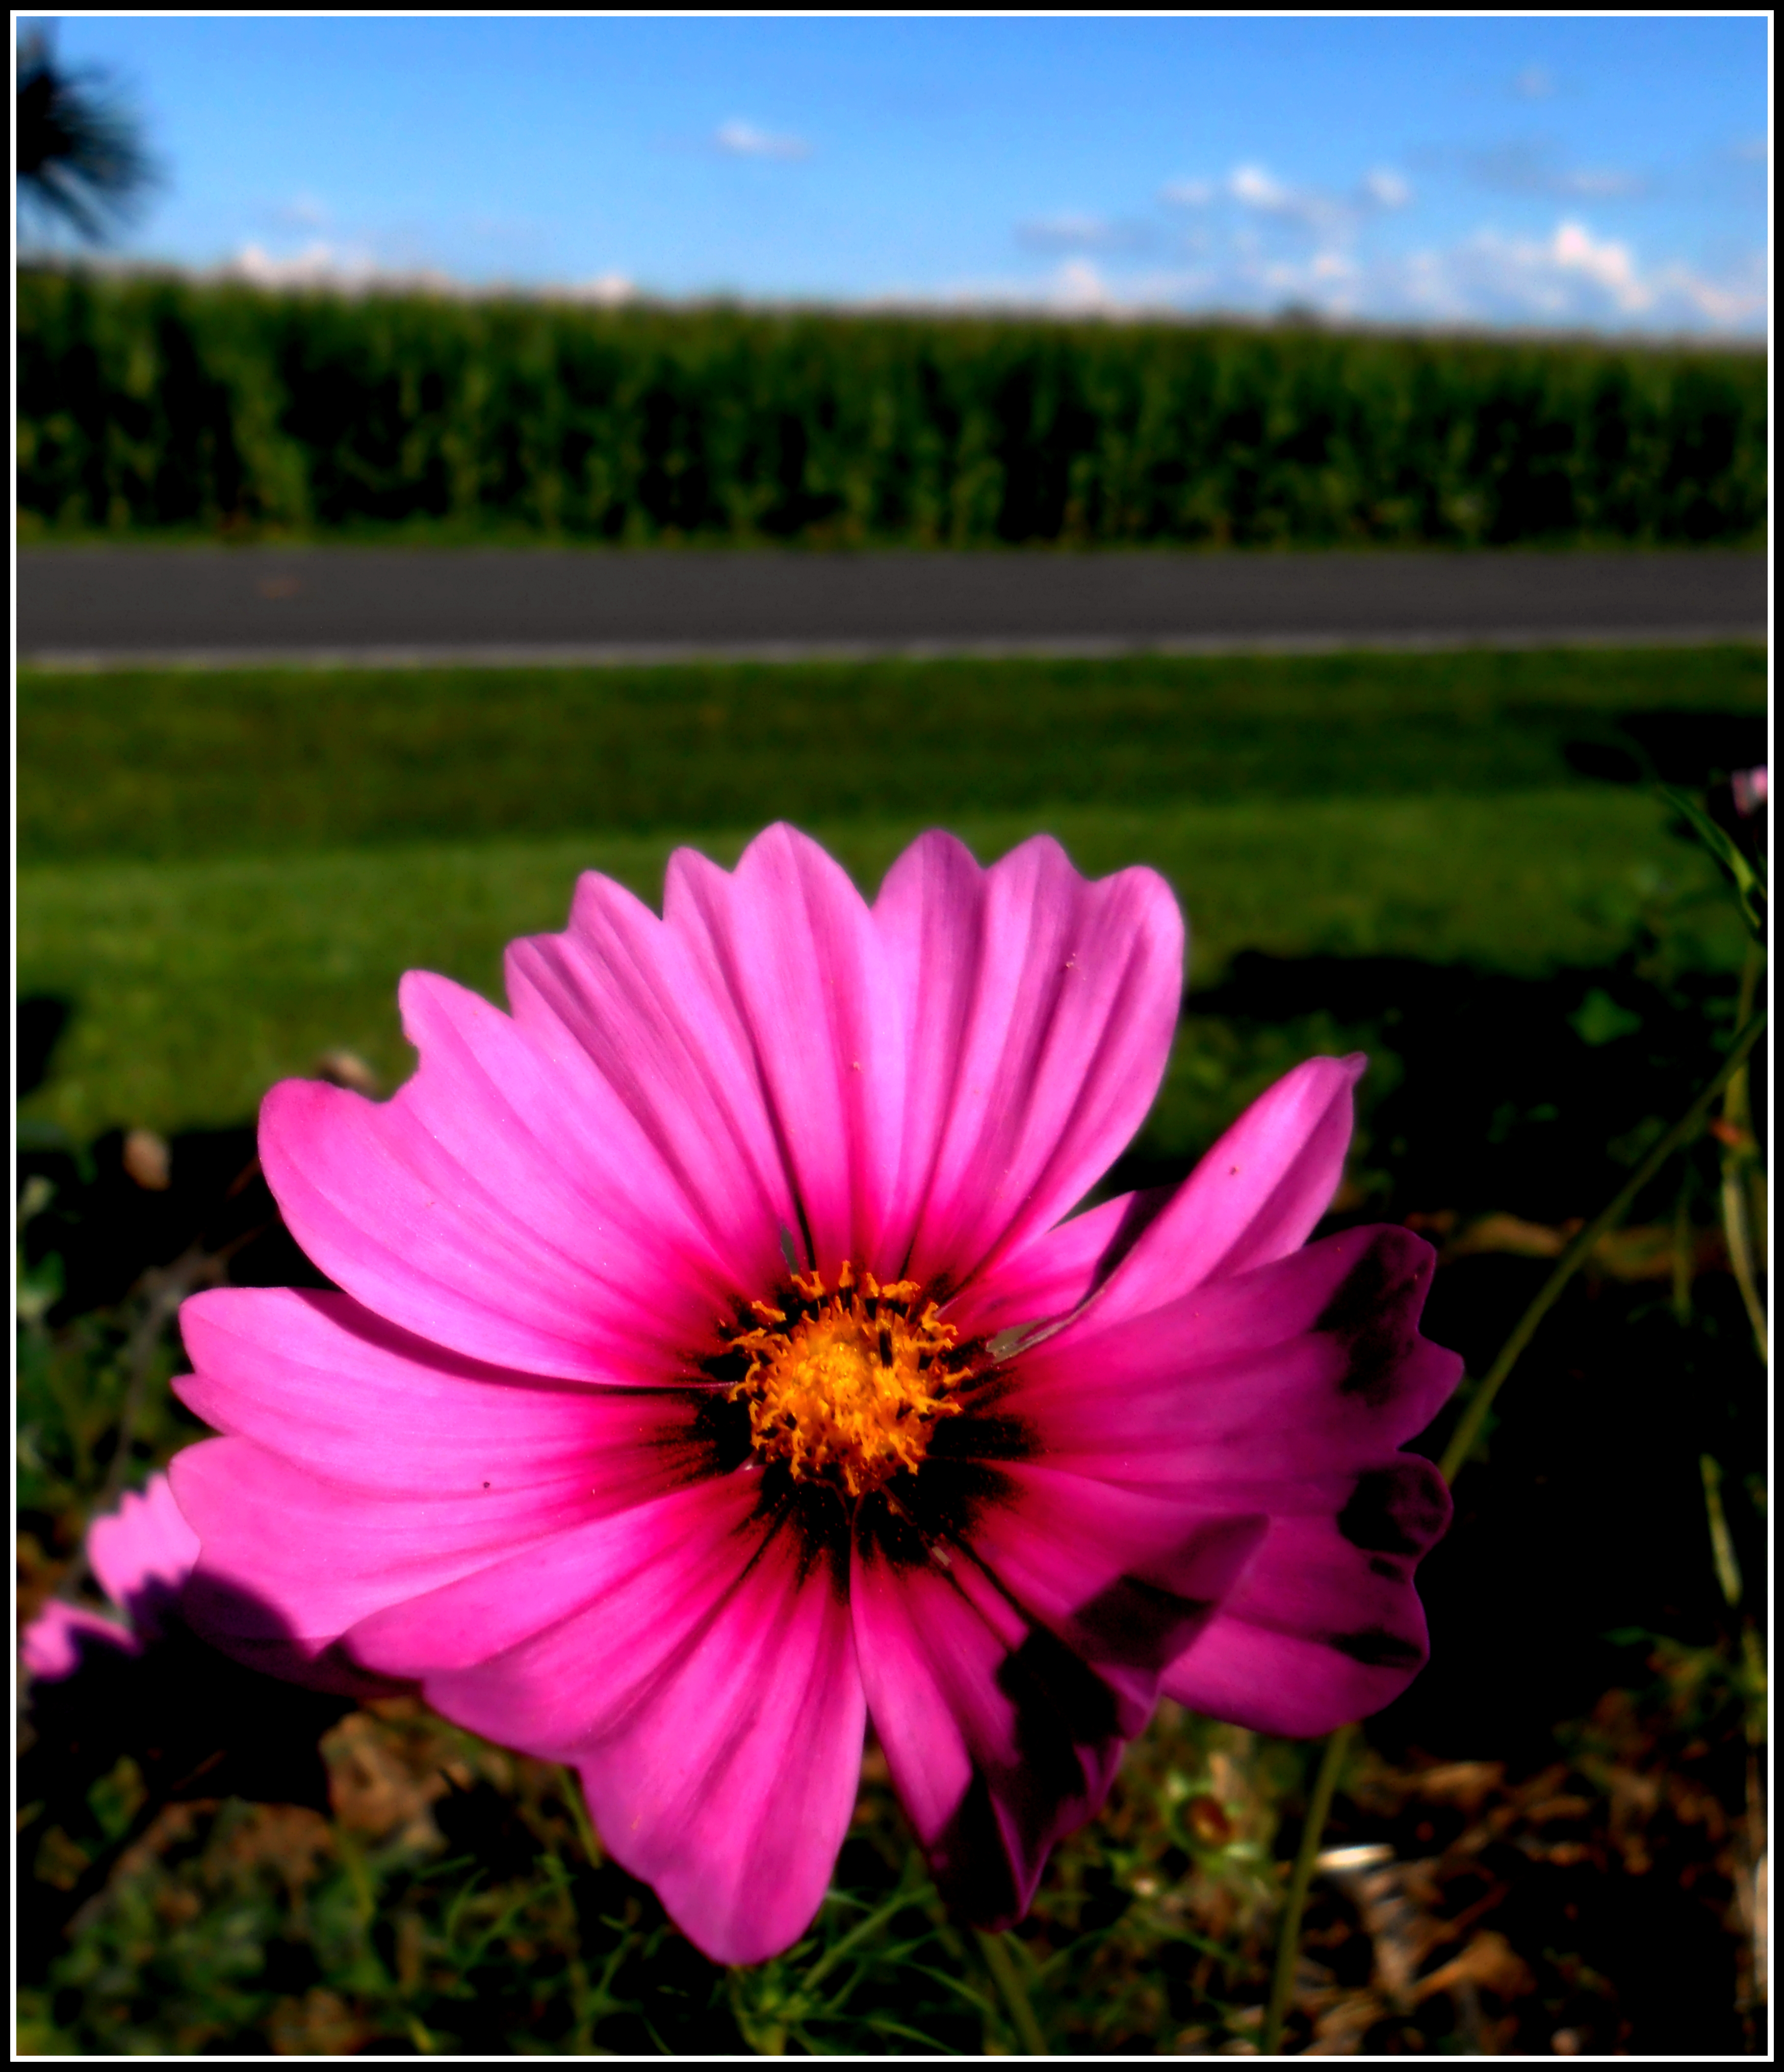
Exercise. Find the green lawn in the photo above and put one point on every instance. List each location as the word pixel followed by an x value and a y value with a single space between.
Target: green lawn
pixel 165 766
pixel 197 984
pixel 225 874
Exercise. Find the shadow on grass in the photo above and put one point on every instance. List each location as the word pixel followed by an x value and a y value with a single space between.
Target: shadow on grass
pixel 111 1749
pixel 39 1021
pixel 193 1725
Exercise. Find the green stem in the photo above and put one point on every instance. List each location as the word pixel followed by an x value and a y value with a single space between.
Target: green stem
pixel 1288 1950
pixel 571 1786
pixel 870 1925
pixel 1287 1947
pixel 1579 1249
pixel 1727 1568
pixel 1737 1156
pixel 1009 1984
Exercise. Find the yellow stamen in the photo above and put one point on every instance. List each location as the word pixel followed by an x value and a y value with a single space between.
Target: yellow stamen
pixel 845 1384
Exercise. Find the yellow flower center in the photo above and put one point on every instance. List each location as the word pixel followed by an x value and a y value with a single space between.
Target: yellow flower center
pixel 845 1385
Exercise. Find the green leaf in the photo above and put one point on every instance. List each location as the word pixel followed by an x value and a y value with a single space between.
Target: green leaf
pixel 1749 883
pixel 1599 1019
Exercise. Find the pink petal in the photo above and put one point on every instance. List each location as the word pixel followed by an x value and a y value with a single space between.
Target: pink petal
pixel 632 994
pixel 1255 1198
pixel 1126 1579
pixel 1286 1391
pixel 503 1203
pixel 1326 1627
pixel 468 1618
pixel 289 1562
pixel 359 1403
pixel 141 1554
pixel 1312 1366
pixel 801 1063
pixel 54 1643
pixel 1045 1280
pixel 1042 1008
pixel 787 940
pixel 696 1664
pixel 999 1738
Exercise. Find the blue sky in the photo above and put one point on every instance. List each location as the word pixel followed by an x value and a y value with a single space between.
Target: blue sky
pixel 1529 170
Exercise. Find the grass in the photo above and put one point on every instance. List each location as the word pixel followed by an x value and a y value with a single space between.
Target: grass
pixel 197 984
pixel 225 874
pixel 163 767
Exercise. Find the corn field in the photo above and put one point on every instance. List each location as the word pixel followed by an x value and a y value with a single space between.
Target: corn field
pixel 164 406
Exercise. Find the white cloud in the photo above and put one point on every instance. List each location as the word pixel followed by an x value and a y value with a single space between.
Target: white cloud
pixel 1076 287
pixel 743 140
pixel 357 269
pixel 321 264
pixel 1307 208
pixel 605 291
pixel 1573 277
pixel 1252 187
pixel 1736 304
pixel 1255 190
pixel 1535 82
pixel 1545 274
pixel 318 260
pixel 1606 264
pixel 1079 284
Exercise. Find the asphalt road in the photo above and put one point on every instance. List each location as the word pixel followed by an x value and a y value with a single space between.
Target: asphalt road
pixel 105 606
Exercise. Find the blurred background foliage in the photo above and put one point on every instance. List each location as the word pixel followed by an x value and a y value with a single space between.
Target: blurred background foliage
pixel 165 405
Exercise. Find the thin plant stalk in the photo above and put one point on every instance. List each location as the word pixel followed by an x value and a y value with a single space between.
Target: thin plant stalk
pixel 577 1806
pixel 1009 1979
pixel 1462 1444
pixel 1737 1168
pixel 1582 1245
pixel 1727 1568
pixel 1288 1948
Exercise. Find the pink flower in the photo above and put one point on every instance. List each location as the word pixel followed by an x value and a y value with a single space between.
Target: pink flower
pixel 1750 787
pixel 714 1372
pixel 141 1555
